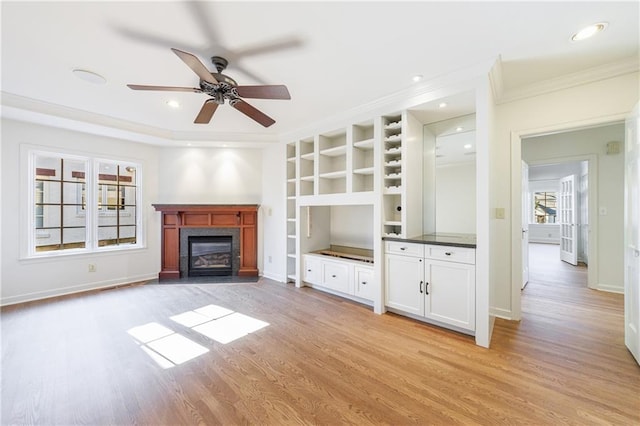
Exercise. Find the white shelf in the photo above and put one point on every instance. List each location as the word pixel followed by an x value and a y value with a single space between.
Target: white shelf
pixel 292 180
pixel 333 175
pixel 291 219
pixel 308 156
pixel 366 144
pixel 292 236
pixel 363 171
pixel 394 125
pixel 291 197
pixel 393 163
pixel 307 178
pixel 394 150
pixel 335 151
pixel 393 190
pixel 292 256
pixel 393 176
pixel 292 277
pixel 291 159
pixel 393 223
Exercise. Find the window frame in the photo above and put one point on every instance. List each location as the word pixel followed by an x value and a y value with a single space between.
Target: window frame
pixel 533 207
pixel 91 212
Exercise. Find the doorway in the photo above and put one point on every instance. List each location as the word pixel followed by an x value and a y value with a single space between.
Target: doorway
pixel 605 197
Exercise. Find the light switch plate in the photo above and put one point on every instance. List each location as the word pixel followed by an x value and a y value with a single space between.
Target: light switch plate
pixel 500 213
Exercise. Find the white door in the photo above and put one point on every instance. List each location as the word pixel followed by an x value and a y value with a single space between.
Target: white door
pixel 405 283
pixel 450 293
pixel 526 214
pixel 567 219
pixel 632 236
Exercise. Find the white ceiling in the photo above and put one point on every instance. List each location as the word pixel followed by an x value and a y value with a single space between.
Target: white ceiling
pixel 333 56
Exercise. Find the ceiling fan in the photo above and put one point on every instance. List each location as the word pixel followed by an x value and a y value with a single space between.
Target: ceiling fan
pixel 221 87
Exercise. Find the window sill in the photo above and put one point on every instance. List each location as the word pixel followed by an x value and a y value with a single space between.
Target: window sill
pixel 81 253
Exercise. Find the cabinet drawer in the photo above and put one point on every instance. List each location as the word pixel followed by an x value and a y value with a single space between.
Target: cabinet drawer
pixel 311 273
pixel 452 254
pixel 407 249
pixel 364 284
pixel 335 276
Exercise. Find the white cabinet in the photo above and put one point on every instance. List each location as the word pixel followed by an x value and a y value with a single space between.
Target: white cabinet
pixel 335 275
pixel 347 278
pixel 363 283
pixel 404 275
pixel 450 293
pixel 311 270
pixel 433 283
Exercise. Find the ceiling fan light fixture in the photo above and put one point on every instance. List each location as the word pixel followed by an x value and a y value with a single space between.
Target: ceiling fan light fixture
pixel 89 76
pixel 589 31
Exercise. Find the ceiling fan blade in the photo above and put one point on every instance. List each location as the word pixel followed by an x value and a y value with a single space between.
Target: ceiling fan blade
pixel 252 112
pixel 164 88
pixel 264 92
pixel 206 112
pixel 195 64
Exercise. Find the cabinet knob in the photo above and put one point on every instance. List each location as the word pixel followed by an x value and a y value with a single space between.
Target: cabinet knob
pixel 403 248
pixel 448 253
pixel 308 270
pixel 364 283
pixel 333 276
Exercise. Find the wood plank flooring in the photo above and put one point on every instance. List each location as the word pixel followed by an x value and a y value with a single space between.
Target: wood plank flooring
pixel 321 360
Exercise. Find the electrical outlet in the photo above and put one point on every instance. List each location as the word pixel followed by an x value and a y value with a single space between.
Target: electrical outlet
pixel 92 267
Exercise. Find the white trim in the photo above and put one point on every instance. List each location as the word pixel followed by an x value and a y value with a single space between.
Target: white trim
pixel 39 295
pixel 275 277
pixel 516 197
pixel 610 288
pixel 501 313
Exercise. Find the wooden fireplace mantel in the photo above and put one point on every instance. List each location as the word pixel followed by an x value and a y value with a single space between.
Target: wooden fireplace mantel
pixel 178 216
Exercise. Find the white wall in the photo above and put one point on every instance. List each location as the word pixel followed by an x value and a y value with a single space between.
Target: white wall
pixel 27 279
pixel 274 230
pixel 352 226
pixel 456 198
pixel 210 175
pixel 610 189
pixel 571 107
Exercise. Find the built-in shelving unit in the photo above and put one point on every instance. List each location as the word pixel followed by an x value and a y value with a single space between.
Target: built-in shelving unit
pixel 292 190
pixel 362 160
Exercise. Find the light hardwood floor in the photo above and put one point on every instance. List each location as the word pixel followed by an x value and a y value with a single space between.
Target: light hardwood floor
pixel 321 360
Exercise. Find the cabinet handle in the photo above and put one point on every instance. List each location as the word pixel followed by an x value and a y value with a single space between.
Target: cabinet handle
pixel 333 276
pixel 421 282
pixel 426 288
pixel 308 270
pixel 364 283
pixel 448 253
pixel 403 248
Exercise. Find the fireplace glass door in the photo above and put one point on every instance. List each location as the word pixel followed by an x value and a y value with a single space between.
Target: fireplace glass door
pixel 210 255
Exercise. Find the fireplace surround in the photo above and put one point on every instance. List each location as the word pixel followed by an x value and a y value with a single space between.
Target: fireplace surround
pixel 179 221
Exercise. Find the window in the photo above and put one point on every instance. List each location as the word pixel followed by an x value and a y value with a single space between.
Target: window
pixel 545 206
pixel 83 204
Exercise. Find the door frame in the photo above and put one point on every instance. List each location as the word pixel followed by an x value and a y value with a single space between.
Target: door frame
pixel 516 199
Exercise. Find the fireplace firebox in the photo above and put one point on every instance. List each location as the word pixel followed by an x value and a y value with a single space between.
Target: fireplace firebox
pixel 210 256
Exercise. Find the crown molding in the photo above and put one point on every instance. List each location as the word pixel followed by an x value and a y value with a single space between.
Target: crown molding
pixel 589 75
pixel 30 110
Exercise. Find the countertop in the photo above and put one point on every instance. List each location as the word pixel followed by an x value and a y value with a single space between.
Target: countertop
pixel 444 239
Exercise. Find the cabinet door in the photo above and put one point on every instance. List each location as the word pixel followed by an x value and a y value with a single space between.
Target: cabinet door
pixel 404 283
pixel 364 285
pixel 450 293
pixel 311 272
pixel 335 276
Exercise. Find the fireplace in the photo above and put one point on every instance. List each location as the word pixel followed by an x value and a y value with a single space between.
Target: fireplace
pixel 216 252
pixel 210 256
pixel 180 221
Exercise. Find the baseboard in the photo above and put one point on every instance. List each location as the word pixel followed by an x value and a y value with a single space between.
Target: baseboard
pixel 40 295
pixel 610 288
pixel 275 277
pixel 501 313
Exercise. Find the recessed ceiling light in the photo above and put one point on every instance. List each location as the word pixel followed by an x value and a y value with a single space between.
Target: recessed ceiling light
pixel 467 146
pixel 458 129
pixel 173 103
pixel 89 76
pixel 442 104
pixel 589 31
pixel 417 78
pixel 224 145
pixel 189 144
